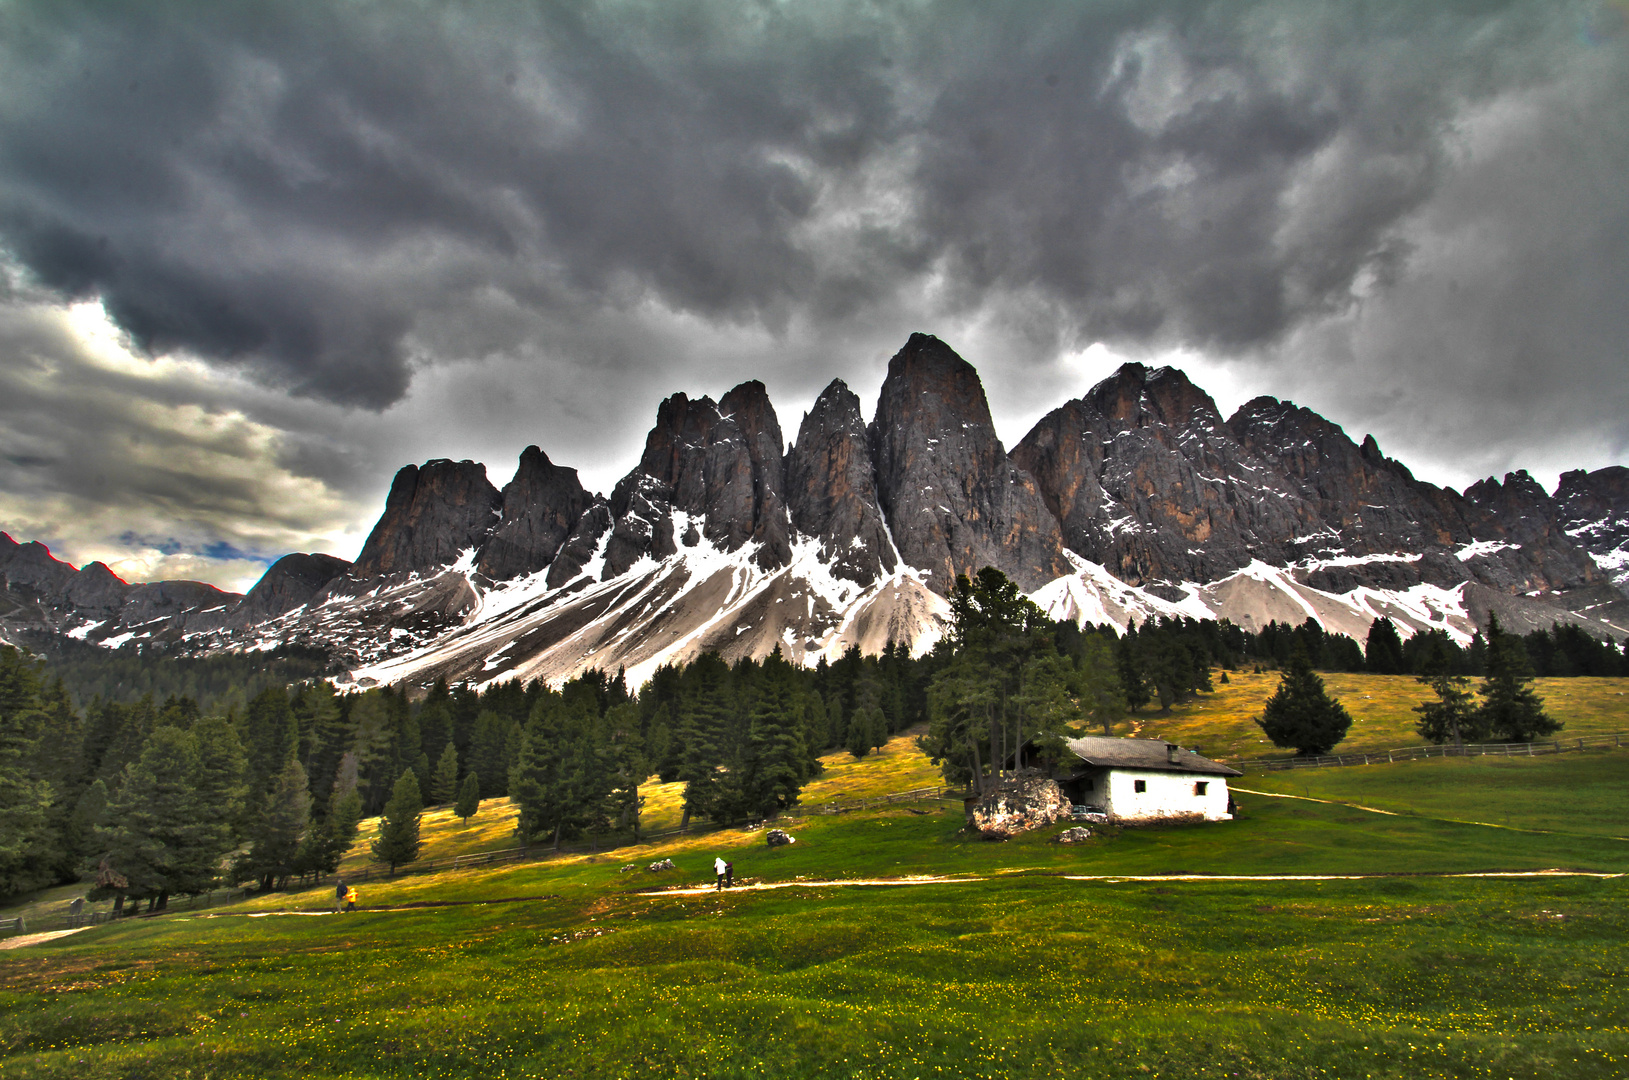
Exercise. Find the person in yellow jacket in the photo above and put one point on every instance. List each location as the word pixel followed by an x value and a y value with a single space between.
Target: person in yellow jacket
pixel 350 898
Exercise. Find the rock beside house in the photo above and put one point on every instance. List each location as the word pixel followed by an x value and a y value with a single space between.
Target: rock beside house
pixel 1076 835
pixel 1019 805
pixel 779 838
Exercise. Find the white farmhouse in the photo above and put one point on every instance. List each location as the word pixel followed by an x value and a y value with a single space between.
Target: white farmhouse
pixel 1142 780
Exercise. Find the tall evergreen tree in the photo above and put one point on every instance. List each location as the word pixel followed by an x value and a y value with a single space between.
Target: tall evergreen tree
pixel 158 835
pixel 398 841
pixel 469 798
pixel 1300 713
pixel 444 781
pixel 27 847
pixel 1452 717
pixel 1510 710
pixel 1383 651
pixel 279 830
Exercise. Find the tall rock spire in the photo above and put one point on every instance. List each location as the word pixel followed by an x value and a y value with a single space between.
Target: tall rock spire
pixel 831 489
pixel 540 506
pixel 953 499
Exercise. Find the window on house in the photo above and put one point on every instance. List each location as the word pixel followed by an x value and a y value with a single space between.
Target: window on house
pixel 1139 786
pixel 1200 787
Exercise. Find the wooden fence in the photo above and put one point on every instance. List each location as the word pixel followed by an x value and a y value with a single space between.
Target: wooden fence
pixel 1419 753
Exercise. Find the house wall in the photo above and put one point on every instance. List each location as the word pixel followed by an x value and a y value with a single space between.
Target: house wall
pixel 1168 795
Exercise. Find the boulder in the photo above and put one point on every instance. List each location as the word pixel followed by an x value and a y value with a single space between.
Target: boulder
pixel 1077 835
pixel 779 838
pixel 1019 805
pixel 661 864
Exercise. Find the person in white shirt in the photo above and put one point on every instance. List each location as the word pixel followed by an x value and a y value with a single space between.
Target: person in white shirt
pixel 719 868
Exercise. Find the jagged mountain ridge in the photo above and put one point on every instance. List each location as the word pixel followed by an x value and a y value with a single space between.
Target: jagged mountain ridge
pixel 1138 499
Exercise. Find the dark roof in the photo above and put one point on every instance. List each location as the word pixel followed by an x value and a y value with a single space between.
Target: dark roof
pixel 1152 754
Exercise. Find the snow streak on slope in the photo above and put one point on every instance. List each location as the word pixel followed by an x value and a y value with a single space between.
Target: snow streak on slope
pixel 671 611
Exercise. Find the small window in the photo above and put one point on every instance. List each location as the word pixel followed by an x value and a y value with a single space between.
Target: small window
pixel 1139 786
pixel 1200 787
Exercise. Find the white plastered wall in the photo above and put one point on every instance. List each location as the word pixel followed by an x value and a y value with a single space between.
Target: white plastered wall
pixel 1167 795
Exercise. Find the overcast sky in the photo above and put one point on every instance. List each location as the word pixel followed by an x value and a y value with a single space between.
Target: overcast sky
pixel 256 256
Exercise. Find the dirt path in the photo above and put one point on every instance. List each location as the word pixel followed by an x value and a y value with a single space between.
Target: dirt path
pixel 1428 817
pixel 1115 879
pixel 35 939
pixel 764 886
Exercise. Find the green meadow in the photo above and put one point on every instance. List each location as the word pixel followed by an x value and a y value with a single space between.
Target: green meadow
pixel 1222 725
pixel 891 943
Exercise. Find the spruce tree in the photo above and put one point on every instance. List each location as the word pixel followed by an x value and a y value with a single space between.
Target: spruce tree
pixel 279 830
pixel 1452 717
pixel 1301 714
pixel 1510 710
pixel 1383 651
pixel 26 844
pixel 159 836
pixel 398 841
pixel 444 782
pixel 469 798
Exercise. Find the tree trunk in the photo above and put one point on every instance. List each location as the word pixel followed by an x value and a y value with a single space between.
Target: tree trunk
pixel 163 901
pixel 557 826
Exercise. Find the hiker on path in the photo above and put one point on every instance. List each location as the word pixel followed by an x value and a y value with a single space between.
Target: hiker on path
pixel 720 867
pixel 729 875
pixel 339 896
pixel 351 898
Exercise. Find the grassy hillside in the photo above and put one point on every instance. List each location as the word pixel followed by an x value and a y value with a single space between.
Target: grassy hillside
pixel 1019 959
pixel 1221 724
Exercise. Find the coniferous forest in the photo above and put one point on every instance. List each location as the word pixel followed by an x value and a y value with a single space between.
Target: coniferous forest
pixel 155 775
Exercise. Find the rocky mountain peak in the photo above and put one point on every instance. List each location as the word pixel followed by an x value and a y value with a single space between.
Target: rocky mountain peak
pixel 540 506
pixel 1135 396
pixel 286 585
pixel 831 488
pixel 1593 509
pixel 953 500
pixel 721 463
pixel 434 514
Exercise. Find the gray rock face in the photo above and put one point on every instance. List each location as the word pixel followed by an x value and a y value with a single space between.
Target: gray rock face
pixel 433 514
pixel 579 547
pixel 96 590
pixel 32 566
pixel 1148 480
pixel 831 489
pixel 1593 509
pixel 720 463
pixel 155 600
pixel 287 584
pixel 541 506
pixel 953 500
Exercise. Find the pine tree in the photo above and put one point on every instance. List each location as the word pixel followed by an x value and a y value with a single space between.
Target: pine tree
pixel 1510 710
pixel 444 783
pixel 221 766
pixel 1301 714
pixel 1452 717
pixel 469 798
pixel 27 848
pixel 279 830
pixel 159 836
pixel 1383 651
pixel 398 841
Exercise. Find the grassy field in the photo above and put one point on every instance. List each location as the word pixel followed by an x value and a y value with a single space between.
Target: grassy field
pixel 1221 725
pixel 1019 959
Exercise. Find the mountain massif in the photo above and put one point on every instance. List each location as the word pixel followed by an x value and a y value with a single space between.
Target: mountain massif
pixel 1136 501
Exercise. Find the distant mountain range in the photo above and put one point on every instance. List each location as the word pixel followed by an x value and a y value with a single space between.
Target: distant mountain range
pixel 1138 500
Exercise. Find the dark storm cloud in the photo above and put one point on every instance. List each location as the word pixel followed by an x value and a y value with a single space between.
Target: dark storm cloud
pixel 337 197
